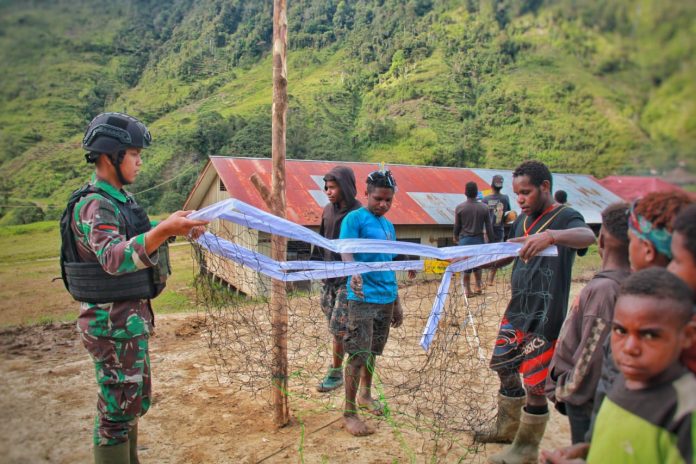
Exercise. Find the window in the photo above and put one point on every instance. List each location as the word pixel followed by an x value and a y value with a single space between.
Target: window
pixel 445 242
pixel 222 186
pixel 298 250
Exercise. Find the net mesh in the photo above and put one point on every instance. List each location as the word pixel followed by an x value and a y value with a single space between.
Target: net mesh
pixel 444 394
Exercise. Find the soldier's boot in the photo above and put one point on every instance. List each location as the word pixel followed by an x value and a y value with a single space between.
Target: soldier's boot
pixel 507 422
pixel 525 448
pixel 114 454
pixel 133 444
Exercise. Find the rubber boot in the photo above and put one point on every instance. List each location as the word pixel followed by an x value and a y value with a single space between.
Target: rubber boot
pixel 525 448
pixel 333 380
pixel 114 454
pixel 133 444
pixel 507 422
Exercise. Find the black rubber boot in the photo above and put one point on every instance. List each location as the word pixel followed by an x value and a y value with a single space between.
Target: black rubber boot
pixel 133 442
pixel 114 454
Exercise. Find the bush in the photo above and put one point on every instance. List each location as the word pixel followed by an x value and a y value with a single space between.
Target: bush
pixel 24 213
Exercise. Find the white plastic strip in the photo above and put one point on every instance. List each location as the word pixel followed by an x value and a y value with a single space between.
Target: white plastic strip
pixel 246 215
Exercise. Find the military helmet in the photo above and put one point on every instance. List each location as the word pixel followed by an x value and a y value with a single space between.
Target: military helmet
pixel 113 133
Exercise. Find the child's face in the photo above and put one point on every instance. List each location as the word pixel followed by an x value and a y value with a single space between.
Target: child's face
pixel 333 191
pixel 683 263
pixel 646 339
pixel 379 200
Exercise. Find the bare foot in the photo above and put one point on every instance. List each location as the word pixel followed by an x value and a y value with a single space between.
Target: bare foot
pixel 371 405
pixel 356 427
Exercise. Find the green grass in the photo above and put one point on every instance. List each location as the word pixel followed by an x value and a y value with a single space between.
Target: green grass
pixel 29 265
pixel 40 240
pixel 586 266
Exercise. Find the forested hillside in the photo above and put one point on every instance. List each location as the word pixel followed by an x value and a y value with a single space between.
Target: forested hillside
pixel 597 87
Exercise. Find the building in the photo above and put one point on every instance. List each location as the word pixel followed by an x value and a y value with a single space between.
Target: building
pixel 631 187
pixel 422 212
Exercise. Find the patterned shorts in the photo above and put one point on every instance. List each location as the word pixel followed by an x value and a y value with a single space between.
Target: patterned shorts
pixel 527 353
pixel 334 304
pixel 368 327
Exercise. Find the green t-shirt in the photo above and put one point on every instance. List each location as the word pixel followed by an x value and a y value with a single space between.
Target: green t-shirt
pixel 654 425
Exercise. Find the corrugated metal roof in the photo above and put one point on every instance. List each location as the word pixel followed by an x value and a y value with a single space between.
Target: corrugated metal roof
pixel 426 195
pixel 585 193
pixel 631 187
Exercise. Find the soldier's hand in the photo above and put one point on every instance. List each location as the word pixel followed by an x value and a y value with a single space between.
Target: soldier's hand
pixel 196 232
pixel 179 224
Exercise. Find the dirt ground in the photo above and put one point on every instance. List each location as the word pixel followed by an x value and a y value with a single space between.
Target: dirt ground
pixel 49 397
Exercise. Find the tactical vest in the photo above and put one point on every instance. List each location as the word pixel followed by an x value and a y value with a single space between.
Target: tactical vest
pixel 88 282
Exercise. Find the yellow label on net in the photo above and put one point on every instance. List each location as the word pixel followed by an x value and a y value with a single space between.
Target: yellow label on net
pixel 435 266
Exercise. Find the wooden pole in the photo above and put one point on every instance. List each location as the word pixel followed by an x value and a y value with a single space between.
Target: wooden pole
pixel 279 303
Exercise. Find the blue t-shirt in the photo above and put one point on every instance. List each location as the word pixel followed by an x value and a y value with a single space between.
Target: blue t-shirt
pixel 379 286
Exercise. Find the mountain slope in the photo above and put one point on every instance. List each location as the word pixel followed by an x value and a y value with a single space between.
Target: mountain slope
pixel 595 87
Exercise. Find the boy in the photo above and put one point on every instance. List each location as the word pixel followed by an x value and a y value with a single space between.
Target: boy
pixel 577 363
pixel 650 222
pixel 339 185
pixel 105 231
pixel 649 415
pixel 471 219
pixel 532 321
pixel 683 263
pixel 373 303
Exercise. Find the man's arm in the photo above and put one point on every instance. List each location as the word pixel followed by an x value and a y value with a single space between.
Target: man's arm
pixel 489 227
pixel 457 226
pixel 577 237
pixel 355 279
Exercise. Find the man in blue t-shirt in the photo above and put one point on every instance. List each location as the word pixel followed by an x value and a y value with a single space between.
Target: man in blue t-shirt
pixel 373 302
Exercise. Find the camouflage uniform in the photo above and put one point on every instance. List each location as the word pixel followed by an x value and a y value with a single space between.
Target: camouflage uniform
pixel 115 334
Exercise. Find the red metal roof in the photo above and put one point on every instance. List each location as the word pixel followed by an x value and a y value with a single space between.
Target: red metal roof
pixel 631 187
pixel 304 186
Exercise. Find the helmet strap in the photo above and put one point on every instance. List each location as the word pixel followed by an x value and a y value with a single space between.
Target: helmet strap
pixel 117 159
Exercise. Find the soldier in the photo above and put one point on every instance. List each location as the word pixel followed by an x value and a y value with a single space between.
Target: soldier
pixel 113 262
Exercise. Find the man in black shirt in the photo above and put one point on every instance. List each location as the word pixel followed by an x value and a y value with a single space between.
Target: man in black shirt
pixel 535 313
pixel 498 205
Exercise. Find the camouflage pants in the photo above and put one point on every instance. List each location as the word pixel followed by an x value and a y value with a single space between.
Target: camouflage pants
pixel 123 377
pixel 334 304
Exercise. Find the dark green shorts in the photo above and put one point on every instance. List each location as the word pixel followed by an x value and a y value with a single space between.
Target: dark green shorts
pixel 367 327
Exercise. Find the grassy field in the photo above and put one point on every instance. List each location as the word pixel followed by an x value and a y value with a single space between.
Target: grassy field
pixel 29 264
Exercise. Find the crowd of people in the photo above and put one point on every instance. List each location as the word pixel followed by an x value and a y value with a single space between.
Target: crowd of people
pixel 624 353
